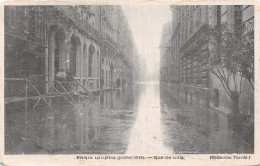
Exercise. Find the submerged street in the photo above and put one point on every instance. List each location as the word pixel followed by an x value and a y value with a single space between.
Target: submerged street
pixel 142 119
pixel 129 79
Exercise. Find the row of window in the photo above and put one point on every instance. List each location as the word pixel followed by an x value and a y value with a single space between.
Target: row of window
pixel 34 19
pixel 189 25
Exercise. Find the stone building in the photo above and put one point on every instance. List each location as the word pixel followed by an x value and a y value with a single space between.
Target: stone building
pixel 117 50
pixel 25 41
pixel 87 42
pixel 165 54
pixel 92 44
pixel 74 43
pixel 192 80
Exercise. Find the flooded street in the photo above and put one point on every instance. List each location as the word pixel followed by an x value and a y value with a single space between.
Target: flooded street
pixel 126 84
pixel 143 119
pixel 191 128
pixel 146 135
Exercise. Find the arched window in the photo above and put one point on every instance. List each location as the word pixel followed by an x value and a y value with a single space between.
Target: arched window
pixel 73 57
pixel 85 60
pixel 90 60
pixel 57 54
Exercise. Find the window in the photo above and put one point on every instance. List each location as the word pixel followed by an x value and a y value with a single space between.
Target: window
pixel 238 19
pixel 180 11
pixel 91 60
pixel 107 77
pixel 186 33
pixel 102 59
pixel 216 98
pixel 210 12
pixel 32 18
pixel 198 16
pixel 218 15
pixel 223 13
pixel 248 13
pixel 191 25
pixel 12 16
pixel 39 19
pixel 198 99
pixel 73 58
pixel 35 19
pixel 57 54
pixel 98 60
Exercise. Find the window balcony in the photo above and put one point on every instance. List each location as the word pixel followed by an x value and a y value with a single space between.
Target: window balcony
pixel 82 23
pixel 111 42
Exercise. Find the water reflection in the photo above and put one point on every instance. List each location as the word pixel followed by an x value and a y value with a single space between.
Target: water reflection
pixel 192 128
pixel 94 126
pixel 143 119
pixel 146 137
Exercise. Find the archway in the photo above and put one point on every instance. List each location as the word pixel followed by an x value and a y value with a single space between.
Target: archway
pixel 57 51
pixel 75 54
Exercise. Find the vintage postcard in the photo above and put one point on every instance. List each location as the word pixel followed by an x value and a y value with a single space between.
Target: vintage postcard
pixel 129 83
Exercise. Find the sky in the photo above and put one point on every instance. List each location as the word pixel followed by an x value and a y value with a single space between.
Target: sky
pixel 146 22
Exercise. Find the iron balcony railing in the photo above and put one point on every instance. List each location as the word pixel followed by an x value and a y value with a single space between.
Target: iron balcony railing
pixel 73 15
pixel 111 41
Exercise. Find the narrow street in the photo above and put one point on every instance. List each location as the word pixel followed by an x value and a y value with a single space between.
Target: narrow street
pixel 135 120
pixel 112 79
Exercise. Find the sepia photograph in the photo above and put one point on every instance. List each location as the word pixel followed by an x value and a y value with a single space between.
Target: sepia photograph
pixel 129 79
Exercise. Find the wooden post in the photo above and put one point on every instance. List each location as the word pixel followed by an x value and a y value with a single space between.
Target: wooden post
pixel 60 93
pixel 44 99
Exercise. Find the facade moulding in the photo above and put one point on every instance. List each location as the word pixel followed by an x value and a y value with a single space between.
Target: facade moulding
pixel 81 29
pixel 176 31
pixel 188 44
pixel 107 43
pixel 193 86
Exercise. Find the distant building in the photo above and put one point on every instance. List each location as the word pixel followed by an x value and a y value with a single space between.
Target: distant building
pixel 117 50
pixel 166 64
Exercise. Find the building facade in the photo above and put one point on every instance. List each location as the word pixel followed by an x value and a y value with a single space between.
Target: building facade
pixel 117 58
pixel 165 54
pixel 93 44
pixel 192 80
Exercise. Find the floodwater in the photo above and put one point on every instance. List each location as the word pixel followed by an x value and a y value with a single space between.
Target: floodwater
pixel 143 119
